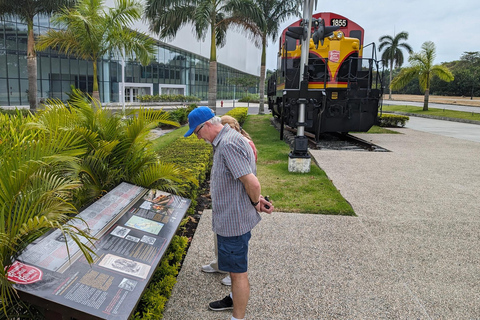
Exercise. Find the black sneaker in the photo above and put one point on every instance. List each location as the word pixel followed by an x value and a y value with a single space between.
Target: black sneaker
pixel 224 304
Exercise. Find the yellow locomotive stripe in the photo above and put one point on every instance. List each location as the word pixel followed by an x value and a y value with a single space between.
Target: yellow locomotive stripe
pixel 319 85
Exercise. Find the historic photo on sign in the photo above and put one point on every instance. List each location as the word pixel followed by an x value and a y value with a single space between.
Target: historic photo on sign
pixel 124 265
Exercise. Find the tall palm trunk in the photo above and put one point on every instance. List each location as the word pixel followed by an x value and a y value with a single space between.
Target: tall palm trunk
pixel 212 72
pixel 32 68
pixel 95 93
pixel 212 86
pixel 425 99
pixel 427 92
pixel 261 109
pixel 390 87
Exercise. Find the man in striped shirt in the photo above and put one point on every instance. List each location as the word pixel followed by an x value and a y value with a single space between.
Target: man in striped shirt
pixel 236 201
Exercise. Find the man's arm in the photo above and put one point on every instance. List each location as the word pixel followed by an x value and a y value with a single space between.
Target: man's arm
pixel 253 188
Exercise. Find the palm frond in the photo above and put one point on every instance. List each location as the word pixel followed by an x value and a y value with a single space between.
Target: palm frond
pixel 164 176
pixel 166 21
pixel 405 76
pixel 443 73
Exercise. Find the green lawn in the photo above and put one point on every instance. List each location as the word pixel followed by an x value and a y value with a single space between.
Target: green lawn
pixel 169 137
pixel 291 192
pixel 434 112
pixel 377 129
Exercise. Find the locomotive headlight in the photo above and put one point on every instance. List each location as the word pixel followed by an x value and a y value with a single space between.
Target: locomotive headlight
pixel 332 37
pixel 339 35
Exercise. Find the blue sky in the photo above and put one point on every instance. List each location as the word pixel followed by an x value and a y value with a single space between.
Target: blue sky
pixel 454 26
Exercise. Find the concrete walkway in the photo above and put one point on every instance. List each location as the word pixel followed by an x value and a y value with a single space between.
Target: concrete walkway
pixel 411 253
pixel 453 129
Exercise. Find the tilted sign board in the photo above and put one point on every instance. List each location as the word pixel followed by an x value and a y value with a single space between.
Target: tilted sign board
pixel 133 227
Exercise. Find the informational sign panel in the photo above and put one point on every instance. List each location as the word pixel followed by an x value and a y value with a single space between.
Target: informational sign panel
pixel 133 227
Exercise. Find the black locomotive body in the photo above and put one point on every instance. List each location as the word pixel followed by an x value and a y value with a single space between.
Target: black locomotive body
pixel 341 90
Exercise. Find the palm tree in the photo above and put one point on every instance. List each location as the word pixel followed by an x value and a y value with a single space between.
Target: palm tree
pixel 393 53
pixel 273 12
pixel 26 10
pixel 168 16
pixel 91 32
pixel 35 190
pixel 423 68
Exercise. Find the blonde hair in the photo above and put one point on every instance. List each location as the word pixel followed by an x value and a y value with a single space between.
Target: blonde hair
pixel 233 123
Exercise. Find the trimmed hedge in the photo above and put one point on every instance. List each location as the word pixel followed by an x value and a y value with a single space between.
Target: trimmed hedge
pixel 239 113
pixel 167 98
pixel 254 98
pixel 16 112
pixel 392 120
pixel 194 155
pixel 153 301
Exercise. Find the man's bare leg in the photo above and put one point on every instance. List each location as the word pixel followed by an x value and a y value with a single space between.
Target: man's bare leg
pixel 240 293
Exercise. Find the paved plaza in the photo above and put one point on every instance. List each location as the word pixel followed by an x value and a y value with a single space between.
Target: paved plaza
pixel 411 252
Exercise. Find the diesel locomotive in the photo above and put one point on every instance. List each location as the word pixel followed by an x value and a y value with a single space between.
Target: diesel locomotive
pixel 341 89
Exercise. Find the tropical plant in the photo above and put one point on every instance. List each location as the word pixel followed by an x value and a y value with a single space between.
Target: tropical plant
pixel 273 13
pixel 422 67
pixel 26 10
pixel 393 54
pixel 36 190
pixel 168 16
pixel 120 149
pixel 90 31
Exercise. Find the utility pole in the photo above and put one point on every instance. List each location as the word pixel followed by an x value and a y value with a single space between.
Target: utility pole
pixel 299 159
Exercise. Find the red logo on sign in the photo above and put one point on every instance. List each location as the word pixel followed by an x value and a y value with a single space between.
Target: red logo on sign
pixel 24 274
pixel 334 55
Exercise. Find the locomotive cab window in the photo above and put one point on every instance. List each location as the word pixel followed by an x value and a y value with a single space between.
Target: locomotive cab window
pixel 356 34
pixel 291 43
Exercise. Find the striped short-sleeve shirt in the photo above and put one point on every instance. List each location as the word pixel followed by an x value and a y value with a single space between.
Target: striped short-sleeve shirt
pixel 232 211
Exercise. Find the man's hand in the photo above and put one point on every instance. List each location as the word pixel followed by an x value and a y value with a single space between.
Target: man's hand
pixel 264 206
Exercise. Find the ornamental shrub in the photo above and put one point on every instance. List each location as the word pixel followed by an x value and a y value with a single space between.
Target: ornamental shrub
pixel 392 120
pixel 240 114
pixel 153 301
pixel 250 98
pixel 15 112
pixel 195 156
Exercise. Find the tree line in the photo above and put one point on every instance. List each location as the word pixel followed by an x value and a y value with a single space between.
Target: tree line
pixel 456 78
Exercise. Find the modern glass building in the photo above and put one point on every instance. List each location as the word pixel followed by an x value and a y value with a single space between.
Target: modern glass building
pixel 172 71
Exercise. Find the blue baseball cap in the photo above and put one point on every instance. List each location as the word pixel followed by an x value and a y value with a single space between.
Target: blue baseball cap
pixel 198 116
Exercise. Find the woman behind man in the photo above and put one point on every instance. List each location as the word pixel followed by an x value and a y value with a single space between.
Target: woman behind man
pixel 233 123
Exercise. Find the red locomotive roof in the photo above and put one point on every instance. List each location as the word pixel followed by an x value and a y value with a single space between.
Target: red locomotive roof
pixel 330 17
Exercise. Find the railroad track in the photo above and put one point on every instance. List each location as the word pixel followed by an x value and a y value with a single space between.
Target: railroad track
pixel 332 141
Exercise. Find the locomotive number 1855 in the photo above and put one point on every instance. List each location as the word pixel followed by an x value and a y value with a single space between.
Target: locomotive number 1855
pixel 339 22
